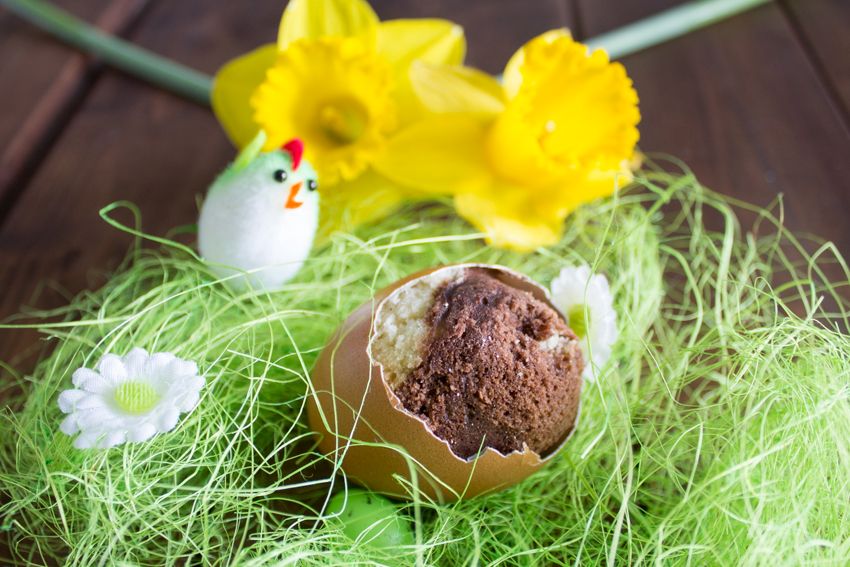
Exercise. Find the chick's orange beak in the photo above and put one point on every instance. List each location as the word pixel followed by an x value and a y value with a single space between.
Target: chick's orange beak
pixel 291 203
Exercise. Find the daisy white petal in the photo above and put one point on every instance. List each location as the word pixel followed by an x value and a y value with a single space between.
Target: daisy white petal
pixel 112 368
pixel 190 383
pixel 83 375
pixel 88 439
pixel 95 417
pixel 69 398
pixel 129 399
pixel 187 368
pixel 180 370
pixel 95 384
pixel 159 361
pixel 189 402
pixel 69 425
pixel 167 419
pixel 141 433
pixel 169 373
pixel 111 439
pixel 90 402
pixel 135 362
pixel 117 423
pixel 585 298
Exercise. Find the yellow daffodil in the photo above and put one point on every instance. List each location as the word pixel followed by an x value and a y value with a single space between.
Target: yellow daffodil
pixel 338 79
pixel 519 157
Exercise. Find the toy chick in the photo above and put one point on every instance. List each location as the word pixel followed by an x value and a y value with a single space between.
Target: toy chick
pixel 260 216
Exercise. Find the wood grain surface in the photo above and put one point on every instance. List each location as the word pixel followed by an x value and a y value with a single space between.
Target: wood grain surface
pixel 29 63
pixel 741 104
pixel 756 105
pixel 823 27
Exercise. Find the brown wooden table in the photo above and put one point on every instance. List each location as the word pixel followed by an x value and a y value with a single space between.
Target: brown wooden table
pixel 757 105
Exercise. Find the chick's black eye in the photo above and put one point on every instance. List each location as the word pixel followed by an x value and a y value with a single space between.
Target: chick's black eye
pixel 279 176
pixel 312 185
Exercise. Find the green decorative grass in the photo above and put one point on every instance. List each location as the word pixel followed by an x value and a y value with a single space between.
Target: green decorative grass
pixel 719 434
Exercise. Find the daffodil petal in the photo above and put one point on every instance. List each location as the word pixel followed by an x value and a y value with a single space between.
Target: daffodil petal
pixel 444 89
pixel 409 108
pixel 438 155
pixel 439 42
pixel 512 77
pixel 582 187
pixel 233 86
pixel 400 42
pixel 312 19
pixel 348 204
pixel 508 215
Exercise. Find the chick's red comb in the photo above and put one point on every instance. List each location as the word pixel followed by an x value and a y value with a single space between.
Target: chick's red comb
pixel 295 147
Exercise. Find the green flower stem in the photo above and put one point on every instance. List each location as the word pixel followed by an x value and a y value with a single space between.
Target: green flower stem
pixel 196 86
pixel 121 54
pixel 668 25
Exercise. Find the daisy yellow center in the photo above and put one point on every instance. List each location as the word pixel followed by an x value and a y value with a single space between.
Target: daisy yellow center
pixel 136 397
pixel 578 321
pixel 334 94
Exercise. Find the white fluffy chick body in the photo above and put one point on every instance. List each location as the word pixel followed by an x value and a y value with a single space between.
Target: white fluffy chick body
pixel 260 217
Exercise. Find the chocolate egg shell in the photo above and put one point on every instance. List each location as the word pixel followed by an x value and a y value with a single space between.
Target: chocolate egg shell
pixel 353 401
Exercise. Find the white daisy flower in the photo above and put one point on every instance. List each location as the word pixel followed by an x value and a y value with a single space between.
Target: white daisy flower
pixel 589 306
pixel 130 399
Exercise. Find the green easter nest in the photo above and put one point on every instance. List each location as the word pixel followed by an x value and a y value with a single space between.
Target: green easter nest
pixel 718 434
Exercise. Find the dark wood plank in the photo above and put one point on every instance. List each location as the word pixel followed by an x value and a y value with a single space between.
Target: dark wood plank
pixel 602 16
pixel 130 141
pixel 825 28
pixel 29 63
pixel 740 103
pixel 52 109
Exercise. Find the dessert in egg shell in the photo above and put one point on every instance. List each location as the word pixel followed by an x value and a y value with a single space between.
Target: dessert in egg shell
pixel 467 372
